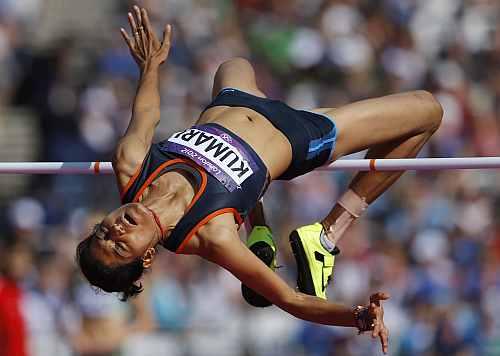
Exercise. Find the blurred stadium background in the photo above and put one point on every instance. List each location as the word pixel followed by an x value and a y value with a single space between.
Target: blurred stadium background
pixel 432 241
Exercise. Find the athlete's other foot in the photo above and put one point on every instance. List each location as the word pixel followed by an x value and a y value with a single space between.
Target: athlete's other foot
pixel 314 262
pixel 261 243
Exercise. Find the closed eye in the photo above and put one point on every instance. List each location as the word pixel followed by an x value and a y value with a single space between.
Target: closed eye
pixel 120 249
pixel 130 219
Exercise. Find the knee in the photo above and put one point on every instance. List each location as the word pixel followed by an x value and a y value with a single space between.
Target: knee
pixel 433 109
pixel 235 63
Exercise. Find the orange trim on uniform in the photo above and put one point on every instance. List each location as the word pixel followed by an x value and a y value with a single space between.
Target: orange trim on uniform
pixel 96 167
pixel 205 220
pixel 201 190
pixel 157 171
pixel 152 177
pixel 372 165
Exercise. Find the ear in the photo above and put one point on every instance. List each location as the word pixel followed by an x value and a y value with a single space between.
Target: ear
pixel 149 256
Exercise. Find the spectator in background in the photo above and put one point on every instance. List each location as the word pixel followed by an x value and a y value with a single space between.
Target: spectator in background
pixel 15 265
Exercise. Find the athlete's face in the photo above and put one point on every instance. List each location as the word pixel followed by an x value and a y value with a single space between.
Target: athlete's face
pixel 124 234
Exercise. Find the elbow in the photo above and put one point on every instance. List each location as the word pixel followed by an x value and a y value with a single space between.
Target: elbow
pixel 238 61
pixel 236 65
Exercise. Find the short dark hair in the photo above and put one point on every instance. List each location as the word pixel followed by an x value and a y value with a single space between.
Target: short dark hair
pixel 110 279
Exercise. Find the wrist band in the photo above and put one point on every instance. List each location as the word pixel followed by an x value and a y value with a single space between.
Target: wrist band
pixel 362 318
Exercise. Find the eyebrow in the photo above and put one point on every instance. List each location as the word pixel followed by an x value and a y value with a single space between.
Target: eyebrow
pixel 114 249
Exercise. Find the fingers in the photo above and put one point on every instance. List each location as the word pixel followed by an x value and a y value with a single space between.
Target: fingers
pixel 384 339
pixel 140 34
pixel 127 38
pixel 138 15
pixel 167 36
pixel 148 29
pixel 145 21
pixel 373 310
pixel 133 25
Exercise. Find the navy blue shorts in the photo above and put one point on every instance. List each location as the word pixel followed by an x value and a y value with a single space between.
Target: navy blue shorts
pixel 311 135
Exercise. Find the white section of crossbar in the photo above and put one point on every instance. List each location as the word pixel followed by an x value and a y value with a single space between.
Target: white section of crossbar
pixel 56 168
pixel 414 164
pixel 417 164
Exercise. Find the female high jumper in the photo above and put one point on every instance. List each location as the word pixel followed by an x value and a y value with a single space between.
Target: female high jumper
pixel 190 192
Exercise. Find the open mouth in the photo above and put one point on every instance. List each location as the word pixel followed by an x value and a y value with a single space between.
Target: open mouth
pixel 129 219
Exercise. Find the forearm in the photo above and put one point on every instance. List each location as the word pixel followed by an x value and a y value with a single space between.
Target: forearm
pixel 146 107
pixel 320 311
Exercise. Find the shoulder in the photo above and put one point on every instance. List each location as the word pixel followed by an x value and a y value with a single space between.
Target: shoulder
pixel 219 233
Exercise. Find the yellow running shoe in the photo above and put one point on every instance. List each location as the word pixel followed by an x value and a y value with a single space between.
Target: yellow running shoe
pixel 261 243
pixel 314 262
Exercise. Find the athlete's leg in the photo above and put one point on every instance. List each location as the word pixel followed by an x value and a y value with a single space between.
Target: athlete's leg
pixel 395 126
pixel 236 73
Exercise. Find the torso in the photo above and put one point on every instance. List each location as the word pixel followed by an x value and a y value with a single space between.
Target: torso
pixel 270 144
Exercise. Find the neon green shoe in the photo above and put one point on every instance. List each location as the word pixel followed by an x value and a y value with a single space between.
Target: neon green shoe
pixel 261 243
pixel 314 262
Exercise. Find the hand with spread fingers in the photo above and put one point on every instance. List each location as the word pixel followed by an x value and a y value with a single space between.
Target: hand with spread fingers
pixel 144 46
pixel 371 318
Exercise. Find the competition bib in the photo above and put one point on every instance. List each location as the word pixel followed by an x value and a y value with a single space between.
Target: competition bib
pixel 216 151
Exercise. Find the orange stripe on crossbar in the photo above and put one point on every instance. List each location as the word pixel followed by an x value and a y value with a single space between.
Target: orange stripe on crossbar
pixel 372 165
pixel 97 167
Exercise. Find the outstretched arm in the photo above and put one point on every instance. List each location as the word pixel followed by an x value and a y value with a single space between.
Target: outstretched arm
pixel 149 53
pixel 229 252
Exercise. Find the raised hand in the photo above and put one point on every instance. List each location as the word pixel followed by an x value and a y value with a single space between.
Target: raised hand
pixel 144 46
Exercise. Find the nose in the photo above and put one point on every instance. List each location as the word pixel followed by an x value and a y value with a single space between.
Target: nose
pixel 118 228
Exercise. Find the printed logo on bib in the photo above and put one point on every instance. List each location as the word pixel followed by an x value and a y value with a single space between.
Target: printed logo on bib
pixel 216 151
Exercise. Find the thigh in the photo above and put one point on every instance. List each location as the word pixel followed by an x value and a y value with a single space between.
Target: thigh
pixel 236 73
pixel 367 123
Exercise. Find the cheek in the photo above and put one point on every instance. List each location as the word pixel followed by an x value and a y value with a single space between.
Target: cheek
pixel 142 237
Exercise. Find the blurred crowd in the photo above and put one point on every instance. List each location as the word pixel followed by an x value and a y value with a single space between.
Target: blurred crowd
pixel 432 241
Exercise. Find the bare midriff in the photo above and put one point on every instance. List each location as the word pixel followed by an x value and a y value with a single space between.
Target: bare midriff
pixel 267 141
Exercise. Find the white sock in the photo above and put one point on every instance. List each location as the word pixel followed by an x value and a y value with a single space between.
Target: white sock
pixel 325 242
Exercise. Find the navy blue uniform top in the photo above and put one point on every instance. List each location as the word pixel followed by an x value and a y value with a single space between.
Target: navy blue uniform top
pixel 229 177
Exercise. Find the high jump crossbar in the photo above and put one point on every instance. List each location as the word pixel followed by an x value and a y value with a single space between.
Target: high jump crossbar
pixel 396 164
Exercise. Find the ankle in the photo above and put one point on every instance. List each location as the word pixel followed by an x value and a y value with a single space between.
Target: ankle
pixel 353 203
pixel 349 207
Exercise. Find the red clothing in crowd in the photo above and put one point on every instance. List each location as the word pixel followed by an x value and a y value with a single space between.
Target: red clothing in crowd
pixel 12 327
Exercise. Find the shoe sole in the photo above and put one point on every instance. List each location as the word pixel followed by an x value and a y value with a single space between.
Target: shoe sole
pixel 265 253
pixel 304 279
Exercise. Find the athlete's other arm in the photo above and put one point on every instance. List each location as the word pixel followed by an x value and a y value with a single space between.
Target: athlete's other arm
pixel 149 53
pixel 228 251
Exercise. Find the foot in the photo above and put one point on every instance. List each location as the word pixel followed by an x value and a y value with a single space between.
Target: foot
pixel 314 262
pixel 261 243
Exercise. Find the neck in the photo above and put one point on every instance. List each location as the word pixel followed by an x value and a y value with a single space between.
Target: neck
pixel 169 200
